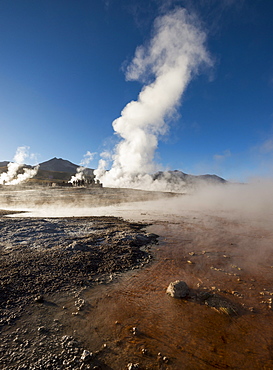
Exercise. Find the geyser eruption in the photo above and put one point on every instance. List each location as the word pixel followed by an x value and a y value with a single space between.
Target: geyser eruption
pixel 13 176
pixel 168 62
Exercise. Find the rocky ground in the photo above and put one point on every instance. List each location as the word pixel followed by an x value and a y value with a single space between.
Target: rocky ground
pixel 43 257
pixel 73 295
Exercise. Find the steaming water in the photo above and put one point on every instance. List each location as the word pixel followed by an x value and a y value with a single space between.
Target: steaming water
pixel 253 202
pixel 192 336
pixel 229 229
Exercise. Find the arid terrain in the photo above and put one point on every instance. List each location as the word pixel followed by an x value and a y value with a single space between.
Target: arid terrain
pixel 90 292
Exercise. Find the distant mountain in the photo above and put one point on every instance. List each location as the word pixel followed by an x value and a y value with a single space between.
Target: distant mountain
pixel 61 170
pixel 59 165
pixel 4 164
pixel 176 176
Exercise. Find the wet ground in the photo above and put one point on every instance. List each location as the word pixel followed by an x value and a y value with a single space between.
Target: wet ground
pixel 128 321
pixel 189 334
pixel 72 197
pixel 43 257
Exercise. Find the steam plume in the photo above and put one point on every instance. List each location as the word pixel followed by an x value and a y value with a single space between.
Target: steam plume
pixel 12 177
pixel 168 62
pixel 87 158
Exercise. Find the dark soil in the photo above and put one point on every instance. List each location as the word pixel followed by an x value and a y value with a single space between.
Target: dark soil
pixel 40 257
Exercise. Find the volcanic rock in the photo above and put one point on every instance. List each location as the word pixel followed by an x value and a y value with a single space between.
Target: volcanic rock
pixel 178 289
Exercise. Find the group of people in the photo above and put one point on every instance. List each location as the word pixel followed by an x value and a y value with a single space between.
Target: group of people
pixel 86 182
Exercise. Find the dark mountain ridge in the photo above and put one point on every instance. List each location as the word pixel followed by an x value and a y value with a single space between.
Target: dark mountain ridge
pixel 4 164
pixel 177 176
pixel 59 165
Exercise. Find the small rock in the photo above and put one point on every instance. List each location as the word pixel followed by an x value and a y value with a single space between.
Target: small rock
pixel 141 239
pixel 178 289
pixel 79 303
pixel 41 329
pixel 39 299
pixel 86 356
pixel 132 366
pixel 134 331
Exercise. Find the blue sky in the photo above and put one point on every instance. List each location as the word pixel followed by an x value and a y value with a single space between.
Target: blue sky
pixel 62 82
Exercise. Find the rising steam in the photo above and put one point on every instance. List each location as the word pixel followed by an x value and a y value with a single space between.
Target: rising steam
pixel 168 62
pixel 13 176
pixel 80 175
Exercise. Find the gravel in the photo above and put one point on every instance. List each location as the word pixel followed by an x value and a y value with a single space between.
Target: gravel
pixel 40 257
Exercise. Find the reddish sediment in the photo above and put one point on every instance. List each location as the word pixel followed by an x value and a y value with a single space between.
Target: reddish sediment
pixel 127 318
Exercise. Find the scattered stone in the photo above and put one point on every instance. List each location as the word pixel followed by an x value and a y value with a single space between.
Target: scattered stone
pixel 236 267
pixel 86 356
pixel 39 299
pixel 79 303
pixel 221 305
pixel 132 366
pixel 59 249
pixel 178 289
pixel 134 331
pixel 41 329
pixel 141 239
pixel 237 294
